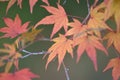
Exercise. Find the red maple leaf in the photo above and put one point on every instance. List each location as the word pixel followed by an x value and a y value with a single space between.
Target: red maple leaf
pixel 23 74
pixel 58 18
pixel 115 64
pixel 19 2
pixel 14 28
pixel 89 44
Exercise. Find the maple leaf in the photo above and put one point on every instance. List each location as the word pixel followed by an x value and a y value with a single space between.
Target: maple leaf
pixel 113 38
pixel 61 46
pixel 12 2
pixel 32 4
pixel 12 57
pixel 89 44
pixel 24 74
pixel 96 21
pixel 112 9
pixel 46 1
pixel 76 29
pixel 14 28
pixel 115 64
pixel 2 60
pixel 19 2
pixel 28 37
pixel 58 18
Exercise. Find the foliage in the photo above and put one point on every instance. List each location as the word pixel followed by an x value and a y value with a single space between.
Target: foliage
pixel 87 34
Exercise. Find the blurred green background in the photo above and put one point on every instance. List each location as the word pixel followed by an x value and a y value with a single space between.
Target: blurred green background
pixel 84 70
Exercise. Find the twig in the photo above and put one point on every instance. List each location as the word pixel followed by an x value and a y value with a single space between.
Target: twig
pixel 64 2
pixel 83 22
pixel 75 17
pixel 32 53
pixel 66 71
pixel 27 55
pixel 44 39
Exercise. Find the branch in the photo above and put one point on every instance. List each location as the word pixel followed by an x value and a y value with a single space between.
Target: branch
pixel 27 55
pixel 86 18
pixel 43 39
pixel 32 53
pixel 66 71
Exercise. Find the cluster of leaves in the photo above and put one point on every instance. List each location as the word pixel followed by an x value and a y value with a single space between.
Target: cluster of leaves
pixel 85 35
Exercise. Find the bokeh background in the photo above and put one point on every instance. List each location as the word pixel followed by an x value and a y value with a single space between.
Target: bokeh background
pixel 84 70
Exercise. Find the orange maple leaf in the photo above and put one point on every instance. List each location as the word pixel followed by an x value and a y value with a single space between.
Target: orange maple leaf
pixel 113 9
pixel 115 64
pixel 113 38
pixel 14 28
pixel 58 18
pixel 24 74
pixel 61 46
pixel 77 29
pixel 96 21
pixel 19 2
pixel 89 44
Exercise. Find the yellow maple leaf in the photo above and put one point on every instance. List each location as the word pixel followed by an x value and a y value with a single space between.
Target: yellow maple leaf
pixel 28 37
pixel 12 56
pixel 96 22
pixel 113 9
pixel 113 38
